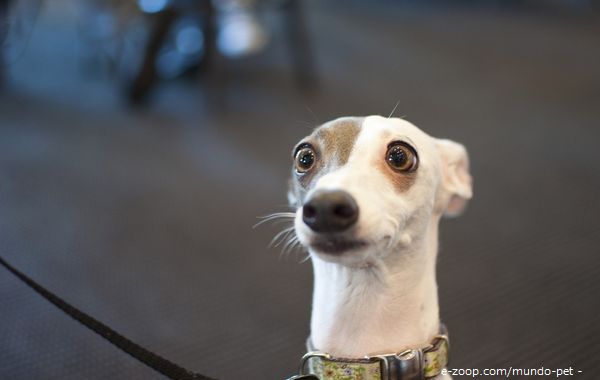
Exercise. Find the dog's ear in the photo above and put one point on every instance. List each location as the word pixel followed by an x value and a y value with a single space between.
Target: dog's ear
pixel 457 184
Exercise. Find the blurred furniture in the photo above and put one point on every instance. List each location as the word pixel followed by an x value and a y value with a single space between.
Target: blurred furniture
pixel 3 35
pixel 295 32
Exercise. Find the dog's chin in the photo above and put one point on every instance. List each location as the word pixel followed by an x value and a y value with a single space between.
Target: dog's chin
pixel 347 251
pixel 336 246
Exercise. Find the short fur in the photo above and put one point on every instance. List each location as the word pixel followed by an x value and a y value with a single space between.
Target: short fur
pixel 382 297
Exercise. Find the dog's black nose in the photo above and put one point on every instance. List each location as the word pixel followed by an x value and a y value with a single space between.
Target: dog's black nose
pixel 330 211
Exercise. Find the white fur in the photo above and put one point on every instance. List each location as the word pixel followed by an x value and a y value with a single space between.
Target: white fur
pixel 383 298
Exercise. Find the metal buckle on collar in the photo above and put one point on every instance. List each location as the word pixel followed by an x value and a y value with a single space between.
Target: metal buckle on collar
pixel 308 356
pixel 410 365
pixel 303 377
pixel 437 341
pixel 384 366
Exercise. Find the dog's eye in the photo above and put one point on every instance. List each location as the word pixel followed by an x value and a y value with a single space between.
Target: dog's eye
pixel 305 159
pixel 401 157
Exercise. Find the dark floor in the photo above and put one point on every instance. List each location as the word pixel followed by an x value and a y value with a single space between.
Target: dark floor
pixel 143 218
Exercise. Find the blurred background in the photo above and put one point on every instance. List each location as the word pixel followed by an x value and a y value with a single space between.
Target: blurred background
pixel 140 140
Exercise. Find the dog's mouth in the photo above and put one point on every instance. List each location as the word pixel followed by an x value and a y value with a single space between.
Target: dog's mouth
pixel 335 245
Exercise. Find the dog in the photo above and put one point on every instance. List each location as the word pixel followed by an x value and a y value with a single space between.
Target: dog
pixel 369 193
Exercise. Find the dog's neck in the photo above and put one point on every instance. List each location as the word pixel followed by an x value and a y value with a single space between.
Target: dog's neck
pixel 380 308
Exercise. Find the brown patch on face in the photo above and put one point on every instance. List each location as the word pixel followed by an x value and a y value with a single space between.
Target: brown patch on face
pixel 337 139
pixel 333 143
pixel 401 181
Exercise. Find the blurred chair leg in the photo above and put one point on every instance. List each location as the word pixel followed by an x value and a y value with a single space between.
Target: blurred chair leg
pixel 212 68
pixel 210 36
pixel 299 46
pixel 208 23
pixel 3 36
pixel 147 74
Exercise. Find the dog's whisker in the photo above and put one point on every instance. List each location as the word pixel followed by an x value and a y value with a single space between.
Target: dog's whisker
pixel 292 244
pixel 276 216
pixel 313 114
pixel 305 259
pixel 281 236
pixel 289 244
pixel 284 238
pixel 394 110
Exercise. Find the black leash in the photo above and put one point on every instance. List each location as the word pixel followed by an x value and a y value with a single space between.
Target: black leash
pixel 152 360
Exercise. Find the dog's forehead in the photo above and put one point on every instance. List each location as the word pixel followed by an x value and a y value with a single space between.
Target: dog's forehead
pixel 337 138
pixel 340 137
pixel 377 129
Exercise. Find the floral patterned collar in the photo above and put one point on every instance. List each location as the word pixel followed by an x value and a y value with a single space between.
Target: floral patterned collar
pixel 412 364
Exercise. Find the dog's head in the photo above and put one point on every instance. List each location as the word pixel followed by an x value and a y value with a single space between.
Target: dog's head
pixel 366 187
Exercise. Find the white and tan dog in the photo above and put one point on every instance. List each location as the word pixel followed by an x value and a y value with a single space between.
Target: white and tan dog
pixel 369 193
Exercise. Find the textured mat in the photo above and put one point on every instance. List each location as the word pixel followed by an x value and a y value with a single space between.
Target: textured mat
pixel 144 218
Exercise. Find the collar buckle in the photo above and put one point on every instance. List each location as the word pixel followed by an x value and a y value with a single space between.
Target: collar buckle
pixel 406 365
pixel 309 355
pixel 384 365
pixel 410 365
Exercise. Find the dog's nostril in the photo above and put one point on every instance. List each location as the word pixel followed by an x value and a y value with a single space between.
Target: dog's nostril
pixel 343 211
pixel 309 211
pixel 330 211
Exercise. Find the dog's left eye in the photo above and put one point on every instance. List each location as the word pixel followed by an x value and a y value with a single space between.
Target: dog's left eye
pixel 401 157
pixel 305 159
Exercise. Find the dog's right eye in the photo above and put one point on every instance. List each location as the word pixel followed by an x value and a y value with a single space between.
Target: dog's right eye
pixel 304 159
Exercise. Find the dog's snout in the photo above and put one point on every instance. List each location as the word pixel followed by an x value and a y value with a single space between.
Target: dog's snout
pixel 330 211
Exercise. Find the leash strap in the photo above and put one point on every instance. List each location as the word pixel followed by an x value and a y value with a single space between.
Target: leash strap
pixel 152 360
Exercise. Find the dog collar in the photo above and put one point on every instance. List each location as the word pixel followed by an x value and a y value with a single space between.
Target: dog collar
pixel 411 364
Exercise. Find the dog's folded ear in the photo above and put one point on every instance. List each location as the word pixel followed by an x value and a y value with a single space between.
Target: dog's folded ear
pixel 457 184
